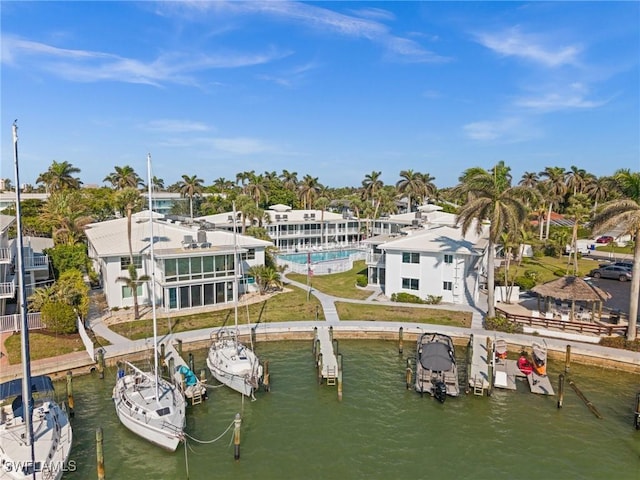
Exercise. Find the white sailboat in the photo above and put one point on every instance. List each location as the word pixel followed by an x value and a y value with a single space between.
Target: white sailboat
pixel 146 404
pixel 232 363
pixel 35 434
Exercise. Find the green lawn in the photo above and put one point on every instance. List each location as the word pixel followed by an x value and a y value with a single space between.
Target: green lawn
pixel 282 307
pixel 43 345
pixel 341 284
pixel 545 267
pixel 372 312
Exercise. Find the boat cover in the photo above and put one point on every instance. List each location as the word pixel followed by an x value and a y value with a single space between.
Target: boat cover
pixel 190 378
pixel 437 357
pixel 12 388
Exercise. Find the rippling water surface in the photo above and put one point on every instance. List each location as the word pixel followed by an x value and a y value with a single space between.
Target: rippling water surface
pixel 380 430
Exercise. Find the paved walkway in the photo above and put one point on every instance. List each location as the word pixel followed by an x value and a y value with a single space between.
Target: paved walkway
pixel 121 345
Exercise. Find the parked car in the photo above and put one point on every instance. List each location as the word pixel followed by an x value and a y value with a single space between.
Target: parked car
pixel 611 271
pixel 604 239
pixel 627 265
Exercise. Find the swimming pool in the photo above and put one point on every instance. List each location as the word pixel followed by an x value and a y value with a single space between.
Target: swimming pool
pixel 316 257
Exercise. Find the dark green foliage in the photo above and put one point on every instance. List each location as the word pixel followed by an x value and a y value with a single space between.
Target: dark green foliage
pixel 59 317
pixel 361 280
pixel 502 324
pixel 559 273
pixel 68 257
pixel 525 283
pixel 406 298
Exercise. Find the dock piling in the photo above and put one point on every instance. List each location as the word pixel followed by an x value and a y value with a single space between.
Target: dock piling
pixel 265 376
pixel 100 360
pixel 400 341
pixel 236 437
pixel 560 390
pixel 100 454
pixel 335 346
pixel 253 337
pixel 191 365
pixel 70 400
pixel 172 369
pixel 636 418
pixel 567 359
pixel 409 374
pixel 590 405
pixel 179 346
pixel 319 367
pixel 490 362
pixel 339 376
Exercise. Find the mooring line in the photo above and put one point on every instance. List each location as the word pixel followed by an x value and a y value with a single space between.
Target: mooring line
pixel 215 439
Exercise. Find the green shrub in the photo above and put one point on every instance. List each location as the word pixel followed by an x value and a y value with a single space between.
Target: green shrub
pixel 406 298
pixel 59 317
pixel 502 324
pixel 559 272
pixel 525 283
pixel 434 299
pixel 361 280
pixel 621 342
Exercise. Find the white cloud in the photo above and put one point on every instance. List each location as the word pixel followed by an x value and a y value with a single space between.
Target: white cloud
pixel 514 43
pixel 174 126
pixel 573 96
pixel 508 130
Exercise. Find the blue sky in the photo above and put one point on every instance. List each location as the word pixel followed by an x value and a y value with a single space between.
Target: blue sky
pixel 331 89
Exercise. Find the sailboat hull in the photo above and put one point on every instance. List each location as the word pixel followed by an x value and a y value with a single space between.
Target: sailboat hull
pixel 233 364
pixel 161 421
pixel 52 436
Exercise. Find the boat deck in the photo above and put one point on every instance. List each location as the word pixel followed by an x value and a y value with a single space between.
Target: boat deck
pixel 540 384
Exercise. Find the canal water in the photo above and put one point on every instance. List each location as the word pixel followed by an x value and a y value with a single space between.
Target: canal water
pixel 380 430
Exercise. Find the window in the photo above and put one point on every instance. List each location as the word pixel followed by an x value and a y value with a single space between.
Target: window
pixel 410 257
pixel 124 262
pixel 127 292
pixel 448 259
pixel 410 283
pixel 447 285
pixel 250 254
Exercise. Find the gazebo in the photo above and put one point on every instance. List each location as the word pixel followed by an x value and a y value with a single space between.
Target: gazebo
pixel 569 290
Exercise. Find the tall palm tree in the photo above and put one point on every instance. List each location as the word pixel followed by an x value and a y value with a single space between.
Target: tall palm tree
pixel 66 214
pixel 308 190
pixel 578 209
pixel 625 213
pixel 289 180
pixel 575 179
pixel 411 184
pixel 430 190
pixel 157 184
pixel 371 185
pixel 529 180
pixel 492 198
pixel 129 200
pixel 191 186
pixel 256 188
pixel 124 177
pixel 598 189
pixel 133 281
pixel 59 176
pixel 556 188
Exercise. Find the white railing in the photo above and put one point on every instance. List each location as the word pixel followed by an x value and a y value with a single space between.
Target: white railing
pixel 325 267
pixel 88 343
pixel 374 258
pixel 11 323
pixel 36 262
pixel 8 289
pixel 6 254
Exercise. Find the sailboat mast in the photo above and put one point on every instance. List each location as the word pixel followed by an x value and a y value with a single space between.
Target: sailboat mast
pixel 27 400
pixel 235 271
pixel 153 279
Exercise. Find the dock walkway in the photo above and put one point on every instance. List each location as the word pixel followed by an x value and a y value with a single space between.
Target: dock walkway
pixel 329 360
pixel 479 372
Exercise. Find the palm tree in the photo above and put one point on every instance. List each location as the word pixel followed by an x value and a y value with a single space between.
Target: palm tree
pixel 410 184
pixel 191 186
pixel 576 179
pixel 59 176
pixel 371 185
pixel 308 191
pixel 6 183
pixel 491 198
pixel 129 200
pixel 157 184
pixel 625 213
pixel 66 214
pixel 598 189
pixel 222 185
pixel 529 180
pixel 578 210
pixel 133 281
pixel 321 204
pixel 123 177
pixel 556 189
pixel 289 180
pixel 256 188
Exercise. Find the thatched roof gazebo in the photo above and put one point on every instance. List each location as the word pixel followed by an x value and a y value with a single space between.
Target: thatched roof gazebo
pixel 571 289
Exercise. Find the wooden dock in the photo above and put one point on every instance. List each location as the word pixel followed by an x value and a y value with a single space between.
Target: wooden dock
pixel 173 360
pixel 540 384
pixel 506 374
pixel 326 359
pixel 479 367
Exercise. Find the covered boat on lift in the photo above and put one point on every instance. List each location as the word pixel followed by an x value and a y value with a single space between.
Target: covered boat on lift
pixel 436 369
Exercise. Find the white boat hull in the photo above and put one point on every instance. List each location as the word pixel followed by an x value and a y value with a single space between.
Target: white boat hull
pixel 53 437
pixel 159 421
pixel 233 364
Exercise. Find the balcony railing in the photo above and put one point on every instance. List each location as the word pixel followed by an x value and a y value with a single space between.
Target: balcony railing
pixel 6 254
pixel 8 289
pixel 36 262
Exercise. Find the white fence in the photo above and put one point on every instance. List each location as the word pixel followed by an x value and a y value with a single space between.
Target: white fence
pixel 88 343
pixel 11 323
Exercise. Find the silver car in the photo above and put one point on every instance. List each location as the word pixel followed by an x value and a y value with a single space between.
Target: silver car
pixel 611 271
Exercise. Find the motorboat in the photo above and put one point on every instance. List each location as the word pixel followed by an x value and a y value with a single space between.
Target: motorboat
pixel 501 348
pixel 145 403
pixel 436 369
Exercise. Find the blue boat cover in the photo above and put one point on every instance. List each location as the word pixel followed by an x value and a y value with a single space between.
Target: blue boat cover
pixel 190 378
pixel 12 388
